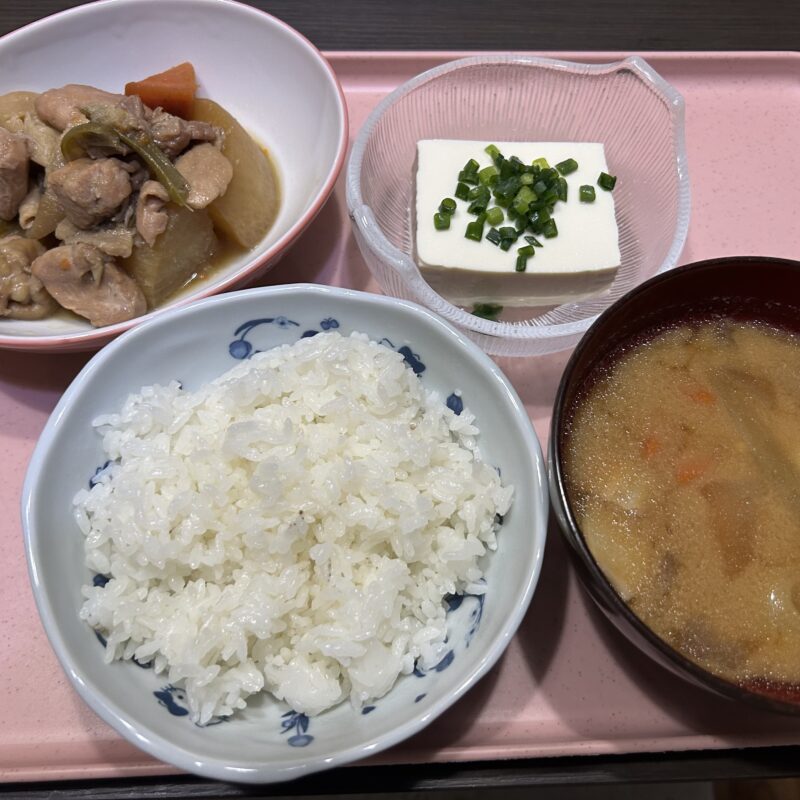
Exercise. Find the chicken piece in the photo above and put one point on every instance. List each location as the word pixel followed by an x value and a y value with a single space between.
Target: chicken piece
pixel 44 142
pixel 61 108
pixel 17 116
pixel 173 134
pixel 13 173
pixel 29 207
pixel 13 108
pixel 85 280
pixel 138 172
pixel 126 115
pixel 207 172
pixel 136 108
pixel 90 190
pixel 151 213
pixel 115 240
pixel 22 295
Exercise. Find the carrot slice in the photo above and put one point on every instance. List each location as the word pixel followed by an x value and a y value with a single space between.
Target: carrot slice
pixel 173 90
pixel 650 446
pixel 703 396
pixel 692 469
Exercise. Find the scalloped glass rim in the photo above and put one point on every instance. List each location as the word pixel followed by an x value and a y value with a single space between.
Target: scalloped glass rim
pixel 508 338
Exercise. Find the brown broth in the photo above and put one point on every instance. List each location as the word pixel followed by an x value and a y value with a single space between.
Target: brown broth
pixel 682 464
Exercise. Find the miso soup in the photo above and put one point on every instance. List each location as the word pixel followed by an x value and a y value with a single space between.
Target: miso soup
pixel 682 463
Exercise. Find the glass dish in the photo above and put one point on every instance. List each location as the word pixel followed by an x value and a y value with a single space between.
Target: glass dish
pixel 625 105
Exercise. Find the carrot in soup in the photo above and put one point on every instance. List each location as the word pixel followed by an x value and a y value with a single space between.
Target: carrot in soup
pixel 173 90
pixel 701 395
pixel 704 397
pixel 651 446
pixel 693 468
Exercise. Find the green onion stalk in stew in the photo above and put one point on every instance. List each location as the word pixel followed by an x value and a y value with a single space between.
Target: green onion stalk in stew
pixel 106 136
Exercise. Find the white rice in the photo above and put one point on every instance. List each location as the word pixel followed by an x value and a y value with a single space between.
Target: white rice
pixel 293 526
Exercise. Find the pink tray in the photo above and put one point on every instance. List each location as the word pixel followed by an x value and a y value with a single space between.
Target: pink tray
pixel 568 683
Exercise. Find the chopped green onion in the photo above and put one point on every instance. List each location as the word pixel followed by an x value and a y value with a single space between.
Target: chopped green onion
pixel 549 229
pixel 480 197
pixel 448 206
pixel 505 190
pixel 490 311
pixel 441 221
pixel 475 229
pixel 508 169
pixel 477 207
pixel 567 165
pixel 479 193
pixel 494 235
pixel 488 175
pixel 523 198
pixel 508 236
pixel 606 181
pixel 462 191
pixel 494 216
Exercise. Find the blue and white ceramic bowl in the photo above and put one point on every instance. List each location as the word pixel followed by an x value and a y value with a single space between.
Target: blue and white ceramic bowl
pixel 269 741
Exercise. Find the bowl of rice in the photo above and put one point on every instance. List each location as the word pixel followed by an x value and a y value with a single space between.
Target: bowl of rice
pixel 283 529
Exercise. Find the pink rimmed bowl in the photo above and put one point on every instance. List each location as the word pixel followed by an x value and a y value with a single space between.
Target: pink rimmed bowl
pixel 265 73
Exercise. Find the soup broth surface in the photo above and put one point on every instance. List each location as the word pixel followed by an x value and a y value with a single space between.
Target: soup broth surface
pixel 683 471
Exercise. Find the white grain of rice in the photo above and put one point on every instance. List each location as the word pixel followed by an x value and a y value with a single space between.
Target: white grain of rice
pixel 291 526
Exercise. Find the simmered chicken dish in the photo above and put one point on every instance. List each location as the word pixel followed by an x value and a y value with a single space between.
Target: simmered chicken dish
pixel 683 471
pixel 110 203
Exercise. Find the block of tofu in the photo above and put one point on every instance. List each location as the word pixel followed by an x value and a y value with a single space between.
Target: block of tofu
pixel 581 261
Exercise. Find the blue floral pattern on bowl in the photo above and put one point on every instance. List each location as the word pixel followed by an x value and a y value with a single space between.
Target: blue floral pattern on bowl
pixel 293 721
pixel 173 697
pixel 241 347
